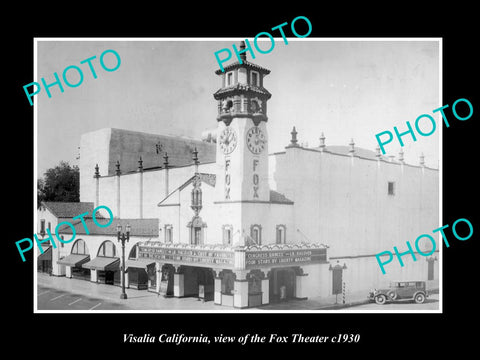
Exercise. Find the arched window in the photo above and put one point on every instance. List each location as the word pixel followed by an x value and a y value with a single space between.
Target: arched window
pixel 256 234
pixel 280 234
pixel 133 252
pixel 80 248
pixel 229 78
pixel 168 233
pixel 254 78
pixel 197 233
pixel 227 234
pixel 107 249
pixel 254 106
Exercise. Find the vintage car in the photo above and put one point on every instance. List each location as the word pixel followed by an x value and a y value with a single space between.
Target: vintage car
pixel 400 290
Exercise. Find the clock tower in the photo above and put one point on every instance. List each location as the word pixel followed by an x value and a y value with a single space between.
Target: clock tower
pixel 242 139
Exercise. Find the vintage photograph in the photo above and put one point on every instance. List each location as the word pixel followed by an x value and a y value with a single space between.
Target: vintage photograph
pixel 166 183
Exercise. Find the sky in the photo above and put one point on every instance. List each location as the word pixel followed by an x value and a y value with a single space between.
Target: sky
pixel 345 88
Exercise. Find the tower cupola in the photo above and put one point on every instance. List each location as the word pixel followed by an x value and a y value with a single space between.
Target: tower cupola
pixel 242 93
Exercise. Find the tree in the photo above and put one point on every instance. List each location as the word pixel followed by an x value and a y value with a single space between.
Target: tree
pixel 61 183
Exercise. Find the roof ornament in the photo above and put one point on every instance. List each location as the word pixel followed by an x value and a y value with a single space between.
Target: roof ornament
pixel 195 156
pixel 422 160
pixel 400 156
pixel 322 142
pixel 165 160
pixel 195 159
pixel 243 53
pixel 294 141
pixel 351 151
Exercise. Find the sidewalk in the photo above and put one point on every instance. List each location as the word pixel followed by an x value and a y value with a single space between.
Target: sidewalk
pixel 137 299
pixel 145 300
pixel 331 302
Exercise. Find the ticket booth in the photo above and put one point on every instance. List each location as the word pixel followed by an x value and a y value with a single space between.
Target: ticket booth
pixel 282 284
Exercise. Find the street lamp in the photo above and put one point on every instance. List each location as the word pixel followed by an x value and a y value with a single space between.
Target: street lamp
pixel 123 237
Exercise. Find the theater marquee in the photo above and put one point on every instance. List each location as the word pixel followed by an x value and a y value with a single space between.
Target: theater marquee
pixel 192 257
pixel 234 258
pixel 255 259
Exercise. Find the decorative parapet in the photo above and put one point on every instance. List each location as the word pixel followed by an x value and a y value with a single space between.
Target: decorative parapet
pixel 234 257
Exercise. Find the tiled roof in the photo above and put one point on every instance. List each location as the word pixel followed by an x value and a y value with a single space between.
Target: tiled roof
pixel 139 227
pixel 242 88
pixel 245 63
pixel 68 209
pixel 276 197
pixel 128 146
pixel 209 179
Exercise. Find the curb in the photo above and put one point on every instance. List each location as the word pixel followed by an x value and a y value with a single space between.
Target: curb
pixel 342 306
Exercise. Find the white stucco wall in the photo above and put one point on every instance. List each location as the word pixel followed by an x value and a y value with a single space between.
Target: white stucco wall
pixel 343 201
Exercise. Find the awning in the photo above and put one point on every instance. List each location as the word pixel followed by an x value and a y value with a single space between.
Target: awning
pixel 47 255
pixel 138 263
pixel 103 263
pixel 74 260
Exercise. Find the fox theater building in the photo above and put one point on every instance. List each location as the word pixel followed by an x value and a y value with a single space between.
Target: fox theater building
pixel 224 220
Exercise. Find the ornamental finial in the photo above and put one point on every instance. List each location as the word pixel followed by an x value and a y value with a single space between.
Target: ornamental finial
pixel 97 172
pixel 322 142
pixel 117 170
pixel 165 160
pixel 243 53
pixel 294 141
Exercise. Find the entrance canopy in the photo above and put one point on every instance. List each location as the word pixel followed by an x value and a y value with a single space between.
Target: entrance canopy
pixel 138 263
pixel 47 255
pixel 103 263
pixel 74 260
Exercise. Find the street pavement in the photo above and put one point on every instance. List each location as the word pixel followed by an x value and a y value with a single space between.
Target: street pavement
pixel 60 293
pixel 53 299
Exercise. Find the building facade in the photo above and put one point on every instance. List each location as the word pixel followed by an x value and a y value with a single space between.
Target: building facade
pixel 225 221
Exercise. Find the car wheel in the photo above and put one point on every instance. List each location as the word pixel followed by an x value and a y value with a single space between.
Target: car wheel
pixel 380 299
pixel 392 295
pixel 419 298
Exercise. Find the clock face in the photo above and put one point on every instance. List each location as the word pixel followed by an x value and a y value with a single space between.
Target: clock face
pixel 228 140
pixel 256 140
